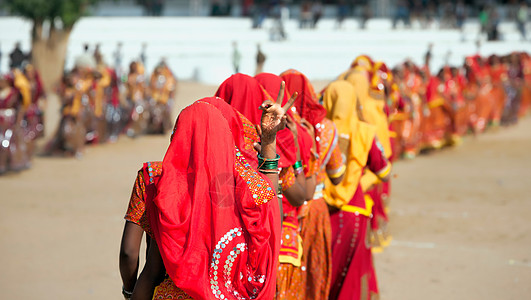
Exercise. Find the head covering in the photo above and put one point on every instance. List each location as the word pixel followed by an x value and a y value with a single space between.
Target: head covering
pixel 374 108
pixel 363 61
pixel 355 140
pixel 307 105
pixel 215 219
pixel 245 94
pixel 271 84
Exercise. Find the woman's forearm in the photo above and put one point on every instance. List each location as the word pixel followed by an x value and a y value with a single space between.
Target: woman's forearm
pixel 269 151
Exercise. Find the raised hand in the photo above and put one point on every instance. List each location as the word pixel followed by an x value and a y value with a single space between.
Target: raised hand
pixel 309 127
pixel 274 115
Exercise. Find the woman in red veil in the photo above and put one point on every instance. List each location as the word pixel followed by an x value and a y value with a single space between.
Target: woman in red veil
pixel 215 217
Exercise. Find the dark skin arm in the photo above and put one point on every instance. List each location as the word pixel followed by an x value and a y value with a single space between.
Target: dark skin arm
pixel 336 181
pixel 296 194
pixel 273 119
pixel 310 182
pixel 151 276
pixel 129 254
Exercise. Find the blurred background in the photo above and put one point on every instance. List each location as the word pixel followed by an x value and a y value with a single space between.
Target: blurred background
pixel 459 218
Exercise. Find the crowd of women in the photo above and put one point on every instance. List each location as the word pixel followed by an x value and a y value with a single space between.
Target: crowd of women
pixel 213 225
pixel 96 106
pixel 21 117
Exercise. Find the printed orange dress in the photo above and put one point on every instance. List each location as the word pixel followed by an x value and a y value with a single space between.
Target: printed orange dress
pixel 314 218
pixel 436 125
pixel 136 213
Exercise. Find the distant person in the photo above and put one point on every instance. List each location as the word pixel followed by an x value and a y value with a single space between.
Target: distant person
pixel 483 20
pixel 118 59
pixel 306 17
pixel 521 19
pixel 236 57
pixel 143 55
pixel 97 54
pixel 493 33
pixel 317 12
pixel 365 16
pixel 16 57
pixel 402 13
pixel 460 14
pixel 342 13
pixel 260 60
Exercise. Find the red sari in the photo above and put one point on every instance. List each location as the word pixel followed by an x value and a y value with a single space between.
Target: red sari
pixel 316 231
pixel 215 218
pixel 352 270
pixel 290 279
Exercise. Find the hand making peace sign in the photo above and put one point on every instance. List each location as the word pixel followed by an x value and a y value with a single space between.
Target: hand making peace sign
pixel 274 115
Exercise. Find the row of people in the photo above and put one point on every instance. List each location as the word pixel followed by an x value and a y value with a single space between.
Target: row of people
pixel 206 241
pixel 428 111
pixel 97 106
pixel 333 165
pixel 21 117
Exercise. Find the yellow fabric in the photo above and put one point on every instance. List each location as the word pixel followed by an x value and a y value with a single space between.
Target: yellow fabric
pixel 23 86
pixel 368 180
pixel 372 107
pixel 355 140
pixel 285 259
pixel 101 84
pixel 367 211
pixel 436 103
pixel 75 108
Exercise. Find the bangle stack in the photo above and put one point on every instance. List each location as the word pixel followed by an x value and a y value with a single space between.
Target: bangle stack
pixel 298 167
pixel 127 294
pixel 268 165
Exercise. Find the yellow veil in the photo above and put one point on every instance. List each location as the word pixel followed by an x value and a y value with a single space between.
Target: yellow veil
pixel 355 140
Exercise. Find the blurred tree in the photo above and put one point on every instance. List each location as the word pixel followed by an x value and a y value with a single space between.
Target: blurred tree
pixel 53 21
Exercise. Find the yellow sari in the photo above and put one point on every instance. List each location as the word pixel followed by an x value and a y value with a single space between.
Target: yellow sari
pixel 355 140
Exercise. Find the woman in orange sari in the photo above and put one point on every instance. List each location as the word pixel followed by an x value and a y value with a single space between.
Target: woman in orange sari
pixel 498 74
pixel 437 123
pixel 290 276
pixel 413 87
pixel 215 219
pixel 525 104
pixel 316 231
pixel 353 275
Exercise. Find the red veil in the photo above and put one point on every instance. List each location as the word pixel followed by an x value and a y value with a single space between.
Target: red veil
pixel 245 94
pixel 216 227
pixel 271 84
pixel 307 105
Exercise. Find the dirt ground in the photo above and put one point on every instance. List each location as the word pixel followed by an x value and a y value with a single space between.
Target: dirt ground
pixel 460 219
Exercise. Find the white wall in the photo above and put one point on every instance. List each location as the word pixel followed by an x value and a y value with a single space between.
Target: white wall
pixel 202 46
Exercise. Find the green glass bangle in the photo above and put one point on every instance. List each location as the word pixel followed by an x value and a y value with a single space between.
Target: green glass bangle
pixel 268 163
pixel 297 165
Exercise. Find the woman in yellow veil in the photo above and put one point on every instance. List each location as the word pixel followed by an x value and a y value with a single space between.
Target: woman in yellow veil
pixel 352 268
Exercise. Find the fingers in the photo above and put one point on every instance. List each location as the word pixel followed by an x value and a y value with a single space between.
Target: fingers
pixel 291 101
pixel 259 130
pixel 281 93
pixel 265 105
pixel 257 147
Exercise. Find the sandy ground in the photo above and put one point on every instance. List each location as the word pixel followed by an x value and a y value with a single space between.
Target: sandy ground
pixel 460 219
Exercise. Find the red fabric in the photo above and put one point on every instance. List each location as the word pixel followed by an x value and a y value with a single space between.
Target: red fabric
pixel 205 208
pixel 351 254
pixel 271 84
pixel 306 104
pixel 376 161
pixel 245 94
pixel 431 88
